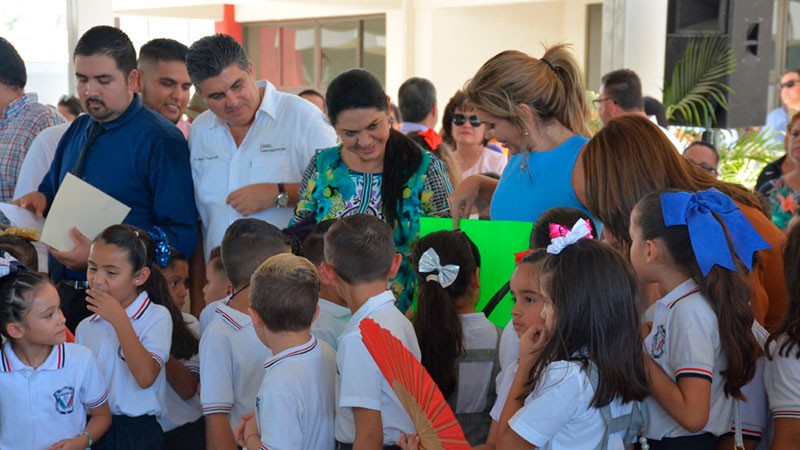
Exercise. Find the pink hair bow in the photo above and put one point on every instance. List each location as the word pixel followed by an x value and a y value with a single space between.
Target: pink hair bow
pixel 581 230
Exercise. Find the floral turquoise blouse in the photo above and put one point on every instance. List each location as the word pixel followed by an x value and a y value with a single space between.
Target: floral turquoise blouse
pixel 331 190
pixel 782 200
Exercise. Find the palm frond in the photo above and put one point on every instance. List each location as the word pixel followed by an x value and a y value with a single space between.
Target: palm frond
pixel 742 161
pixel 696 86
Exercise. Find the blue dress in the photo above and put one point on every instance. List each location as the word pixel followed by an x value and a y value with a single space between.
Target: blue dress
pixel 534 182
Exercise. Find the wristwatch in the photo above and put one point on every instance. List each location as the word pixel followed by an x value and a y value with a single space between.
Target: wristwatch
pixel 282 200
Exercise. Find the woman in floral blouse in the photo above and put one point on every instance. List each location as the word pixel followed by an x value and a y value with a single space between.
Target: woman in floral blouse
pixel 783 193
pixel 375 170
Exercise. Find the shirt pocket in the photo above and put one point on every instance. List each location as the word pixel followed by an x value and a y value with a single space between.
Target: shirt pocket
pixel 271 166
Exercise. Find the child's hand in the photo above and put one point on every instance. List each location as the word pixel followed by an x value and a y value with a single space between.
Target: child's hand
pixel 248 427
pixel 532 342
pixel 106 306
pixel 79 442
pixel 409 442
pixel 238 433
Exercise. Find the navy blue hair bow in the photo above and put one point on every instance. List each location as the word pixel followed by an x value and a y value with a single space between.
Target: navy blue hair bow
pixel 706 233
pixel 161 242
pixel 9 265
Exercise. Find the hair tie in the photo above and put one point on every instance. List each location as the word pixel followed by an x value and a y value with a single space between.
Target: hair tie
pixel 9 265
pixel 579 231
pixel 431 138
pixel 705 231
pixel 429 262
pixel 549 64
pixel 161 243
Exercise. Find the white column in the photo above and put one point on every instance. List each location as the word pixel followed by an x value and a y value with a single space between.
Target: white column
pixel 82 15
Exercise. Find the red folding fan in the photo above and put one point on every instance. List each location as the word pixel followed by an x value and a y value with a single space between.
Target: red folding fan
pixel 433 419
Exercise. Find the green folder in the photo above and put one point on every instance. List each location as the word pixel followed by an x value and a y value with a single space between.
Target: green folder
pixel 498 241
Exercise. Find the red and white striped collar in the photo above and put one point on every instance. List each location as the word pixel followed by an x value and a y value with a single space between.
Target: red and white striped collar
pixel 9 361
pixel 136 309
pixel 291 352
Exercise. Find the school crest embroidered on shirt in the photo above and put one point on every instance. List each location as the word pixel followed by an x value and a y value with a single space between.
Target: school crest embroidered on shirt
pixel 65 400
pixel 658 342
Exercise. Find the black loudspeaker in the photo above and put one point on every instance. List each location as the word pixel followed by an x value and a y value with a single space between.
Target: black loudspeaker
pixel 747 27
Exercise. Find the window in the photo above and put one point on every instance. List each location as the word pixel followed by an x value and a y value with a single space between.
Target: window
pixel 309 54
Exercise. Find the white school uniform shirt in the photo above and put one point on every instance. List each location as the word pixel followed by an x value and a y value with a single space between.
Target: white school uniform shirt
pixel 503 389
pixel 782 380
pixel 558 413
pixel 42 406
pixel 360 383
pixel 330 322
pixel 209 312
pixel 754 410
pixel 231 365
pixel 153 325
pixel 179 412
pixel 295 406
pixel 685 341
pixel 509 346
pixel 475 378
pixel 284 135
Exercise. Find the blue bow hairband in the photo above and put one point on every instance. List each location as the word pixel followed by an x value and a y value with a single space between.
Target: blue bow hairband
pixel 161 242
pixel 705 231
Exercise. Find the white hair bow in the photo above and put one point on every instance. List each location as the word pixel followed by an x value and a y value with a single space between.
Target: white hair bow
pixel 429 262
pixel 579 231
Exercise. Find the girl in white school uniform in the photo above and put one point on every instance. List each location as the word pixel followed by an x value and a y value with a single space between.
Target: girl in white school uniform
pixel 48 386
pixel 458 345
pixel 782 370
pixel 131 333
pixel 182 421
pixel 588 291
pixel 700 350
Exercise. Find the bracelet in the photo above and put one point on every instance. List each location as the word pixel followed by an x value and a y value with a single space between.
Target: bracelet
pixel 89 437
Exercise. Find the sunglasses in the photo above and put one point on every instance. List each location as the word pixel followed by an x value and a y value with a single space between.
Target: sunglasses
pixel 460 119
pixel 789 84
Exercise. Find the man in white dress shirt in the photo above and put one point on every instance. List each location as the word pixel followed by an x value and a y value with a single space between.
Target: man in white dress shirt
pixel 249 150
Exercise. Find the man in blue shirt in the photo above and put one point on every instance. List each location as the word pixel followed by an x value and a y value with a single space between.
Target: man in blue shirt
pixel 122 148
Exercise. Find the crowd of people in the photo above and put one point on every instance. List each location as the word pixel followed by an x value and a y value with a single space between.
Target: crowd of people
pixel 657 307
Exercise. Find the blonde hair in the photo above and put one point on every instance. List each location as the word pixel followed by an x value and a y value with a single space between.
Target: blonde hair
pixel 552 86
pixel 284 291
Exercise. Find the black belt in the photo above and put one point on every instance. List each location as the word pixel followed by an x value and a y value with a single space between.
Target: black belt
pixel 342 446
pixel 75 284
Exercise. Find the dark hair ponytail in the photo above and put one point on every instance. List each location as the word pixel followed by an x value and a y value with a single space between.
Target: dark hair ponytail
pixel 16 292
pixel 141 253
pixel 437 323
pixel 401 160
pixel 727 291
pixel 359 89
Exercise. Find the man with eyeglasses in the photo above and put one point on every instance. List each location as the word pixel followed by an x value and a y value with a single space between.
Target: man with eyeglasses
pixel 778 118
pixel 621 94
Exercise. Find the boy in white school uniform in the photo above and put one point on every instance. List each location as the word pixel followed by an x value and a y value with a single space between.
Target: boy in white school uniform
pixel 333 311
pixel 295 405
pixel 231 355
pixel 360 259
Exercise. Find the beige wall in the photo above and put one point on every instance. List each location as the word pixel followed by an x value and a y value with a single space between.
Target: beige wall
pixel 450 44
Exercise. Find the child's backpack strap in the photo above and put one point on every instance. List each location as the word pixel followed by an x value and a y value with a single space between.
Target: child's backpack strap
pixel 631 424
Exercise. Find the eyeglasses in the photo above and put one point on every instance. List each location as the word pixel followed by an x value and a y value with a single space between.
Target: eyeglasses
pixel 460 119
pixel 789 84
pixel 706 167
pixel 596 102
